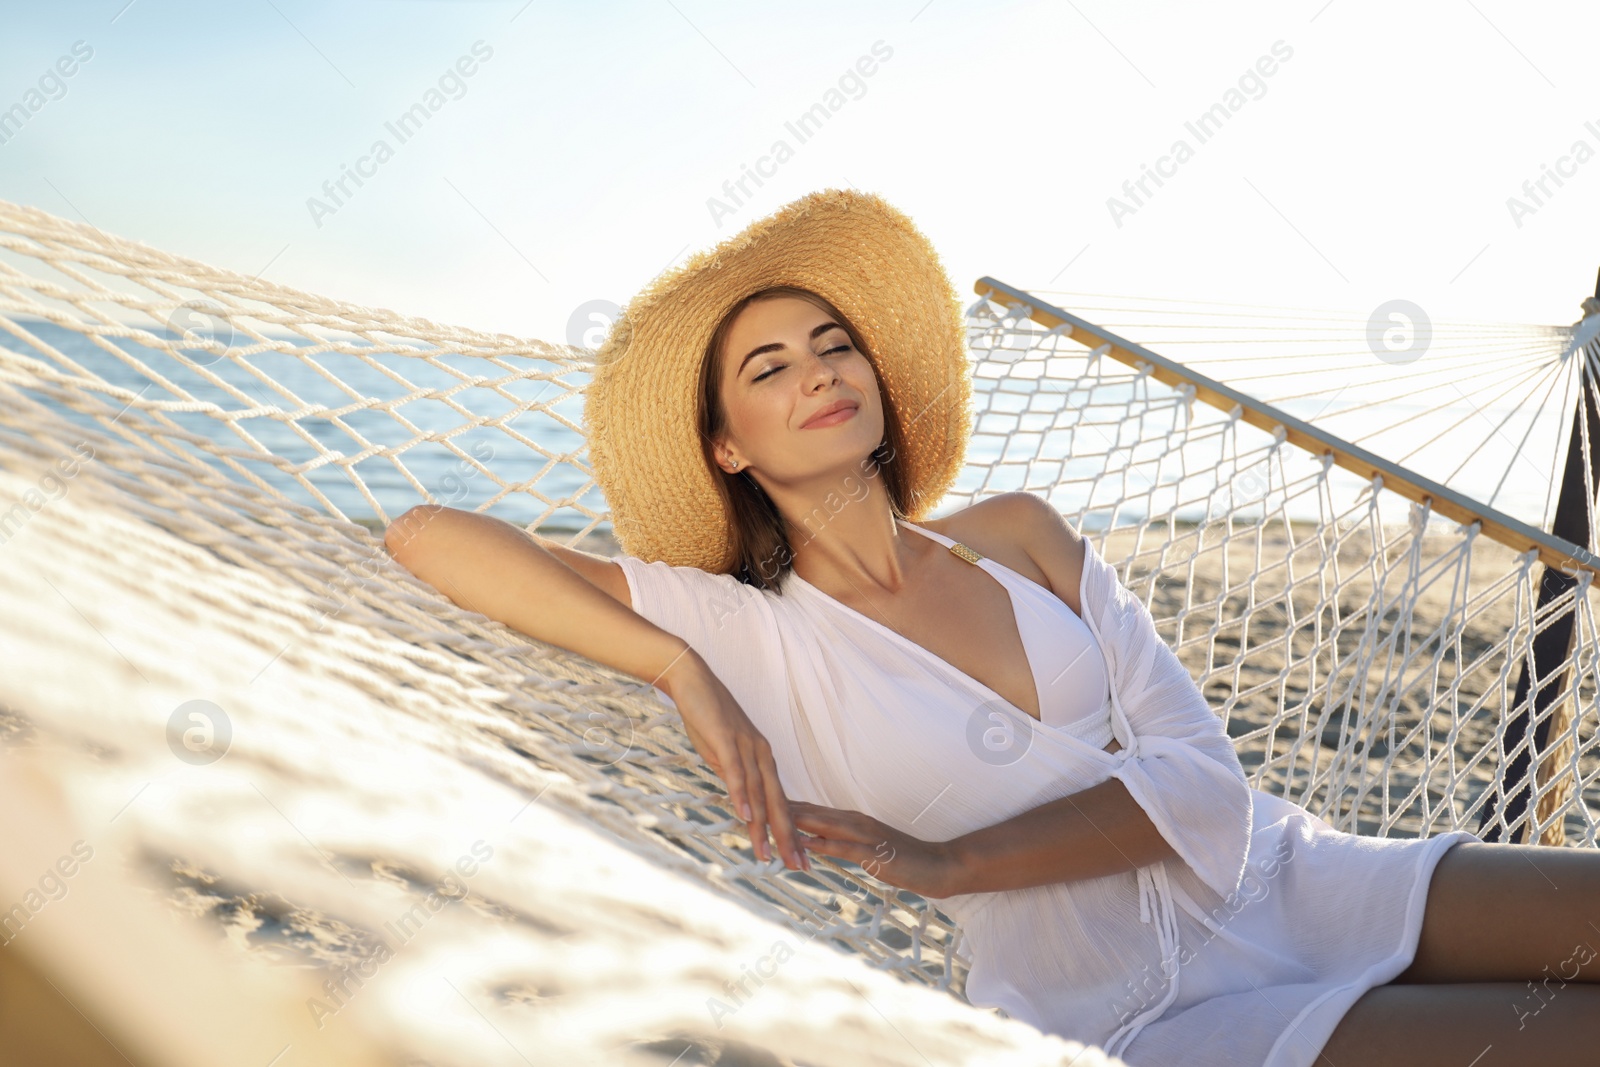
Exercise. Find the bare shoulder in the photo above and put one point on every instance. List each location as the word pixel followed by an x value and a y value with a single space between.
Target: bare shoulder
pixel 1025 533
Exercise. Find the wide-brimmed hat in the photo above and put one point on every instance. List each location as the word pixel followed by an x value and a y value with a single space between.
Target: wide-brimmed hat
pixel 851 248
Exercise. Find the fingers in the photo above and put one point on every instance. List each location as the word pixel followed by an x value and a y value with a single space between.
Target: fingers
pixel 783 828
pixel 733 773
pixel 835 823
pixel 858 854
pixel 758 802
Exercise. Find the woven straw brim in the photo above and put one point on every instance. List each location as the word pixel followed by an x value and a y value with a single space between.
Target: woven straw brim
pixel 851 248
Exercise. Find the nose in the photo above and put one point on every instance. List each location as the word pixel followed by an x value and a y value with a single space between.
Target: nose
pixel 822 372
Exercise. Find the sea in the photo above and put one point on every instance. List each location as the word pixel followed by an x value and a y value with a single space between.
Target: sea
pixel 373 434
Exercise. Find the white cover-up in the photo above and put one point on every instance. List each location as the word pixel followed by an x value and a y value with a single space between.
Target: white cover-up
pixel 1248 948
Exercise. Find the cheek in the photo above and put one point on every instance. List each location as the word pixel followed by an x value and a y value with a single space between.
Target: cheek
pixel 758 415
pixel 866 384
pixel 859 373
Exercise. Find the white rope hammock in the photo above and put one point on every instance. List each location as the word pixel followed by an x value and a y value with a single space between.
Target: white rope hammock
pixel 1363 652
pixel 1363 657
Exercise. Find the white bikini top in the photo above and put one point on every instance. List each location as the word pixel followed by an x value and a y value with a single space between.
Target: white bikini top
pixel 1069 671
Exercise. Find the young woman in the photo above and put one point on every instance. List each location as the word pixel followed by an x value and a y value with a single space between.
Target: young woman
pixel 973 708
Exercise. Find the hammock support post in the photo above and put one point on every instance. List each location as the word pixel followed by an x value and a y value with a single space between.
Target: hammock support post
pixel 1551 713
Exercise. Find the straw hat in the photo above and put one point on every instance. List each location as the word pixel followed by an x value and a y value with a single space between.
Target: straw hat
pixel 850 248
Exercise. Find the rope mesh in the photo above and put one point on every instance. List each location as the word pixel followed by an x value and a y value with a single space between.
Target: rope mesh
pixel 262 422
pixel 1365 667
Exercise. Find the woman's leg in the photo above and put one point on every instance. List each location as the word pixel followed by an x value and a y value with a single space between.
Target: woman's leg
pixel 1498 912
pixel 1507 969
pixel 1479 1024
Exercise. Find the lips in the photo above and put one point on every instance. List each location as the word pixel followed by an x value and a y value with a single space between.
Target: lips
pixel 831 409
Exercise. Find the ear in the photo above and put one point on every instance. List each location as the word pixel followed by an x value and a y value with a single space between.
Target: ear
pixel 723 457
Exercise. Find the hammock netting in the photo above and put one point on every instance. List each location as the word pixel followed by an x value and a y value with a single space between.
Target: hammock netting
pixel 1362 649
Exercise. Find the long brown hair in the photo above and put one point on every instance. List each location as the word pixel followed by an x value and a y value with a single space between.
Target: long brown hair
pixel 761 550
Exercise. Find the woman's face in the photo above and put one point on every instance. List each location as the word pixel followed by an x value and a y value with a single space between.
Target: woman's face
pixel 785 360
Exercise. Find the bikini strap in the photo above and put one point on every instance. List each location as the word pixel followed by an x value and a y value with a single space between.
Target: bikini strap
pixel 959 549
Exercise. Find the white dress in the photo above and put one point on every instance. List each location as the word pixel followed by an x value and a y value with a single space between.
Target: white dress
pixel 1246 949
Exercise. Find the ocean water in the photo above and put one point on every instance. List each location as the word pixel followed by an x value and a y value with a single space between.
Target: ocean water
pixel 527 464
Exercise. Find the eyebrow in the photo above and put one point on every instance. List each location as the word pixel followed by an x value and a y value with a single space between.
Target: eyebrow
pixel 816 332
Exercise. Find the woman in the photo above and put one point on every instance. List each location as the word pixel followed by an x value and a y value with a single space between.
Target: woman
pixel 973 708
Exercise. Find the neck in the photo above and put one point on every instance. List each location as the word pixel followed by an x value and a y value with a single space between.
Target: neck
pixel 858 546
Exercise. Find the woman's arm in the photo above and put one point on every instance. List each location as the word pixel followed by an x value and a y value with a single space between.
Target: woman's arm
pixel 1089 834
pixel 496 569
pixel 492 567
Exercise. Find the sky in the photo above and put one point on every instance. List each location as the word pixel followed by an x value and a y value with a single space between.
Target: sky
pixel 1368 152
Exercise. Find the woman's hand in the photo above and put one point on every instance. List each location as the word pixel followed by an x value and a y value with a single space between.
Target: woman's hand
pixel 905 862
pixel 736 751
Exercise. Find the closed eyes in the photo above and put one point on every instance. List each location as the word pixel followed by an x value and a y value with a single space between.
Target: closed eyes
pixel 776 368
